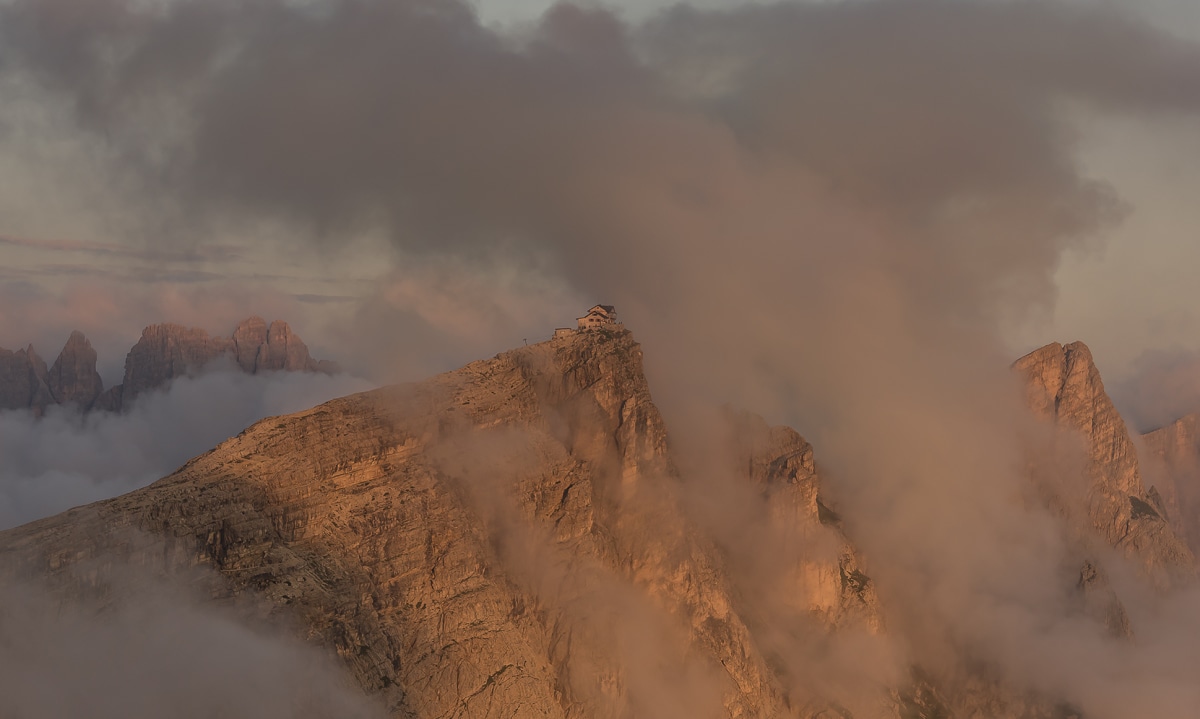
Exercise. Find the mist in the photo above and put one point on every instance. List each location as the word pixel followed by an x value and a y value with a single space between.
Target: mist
pixel 827 213
pixel 1164 386
pixel 66 458
pixel 157 651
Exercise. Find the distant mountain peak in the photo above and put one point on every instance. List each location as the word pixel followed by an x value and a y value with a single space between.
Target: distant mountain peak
pixel 73 378
pixel 164 352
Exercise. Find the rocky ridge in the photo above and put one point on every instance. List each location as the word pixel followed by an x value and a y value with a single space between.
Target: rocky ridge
pixel 508 540
pixel 1173 459
pixel 24 381
pixel 399 527
pixel 163 353
pixel 1063 387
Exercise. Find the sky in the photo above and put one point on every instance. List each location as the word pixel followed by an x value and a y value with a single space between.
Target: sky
pixel 70 235
pixel 414 185
pixel 409 209
pixel 846 216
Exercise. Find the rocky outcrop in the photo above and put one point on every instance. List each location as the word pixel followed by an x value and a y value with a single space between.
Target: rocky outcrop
pixel 249 338
pixel 510 540
pixel 1173 468
pixel 259 347
pixel 1097 600
pixel 23 381
pixel 73 378
pixel 829 584
pixel 1063 386
pixel 163 353
pixel 26 383
pixel 503 540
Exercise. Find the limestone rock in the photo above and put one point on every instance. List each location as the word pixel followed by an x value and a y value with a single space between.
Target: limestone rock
pixel 1063 386
pixel 826 576
pixel 1098 600
pixel 248 338
pixel 73 378
pixel 285 351
pixel 165 352
pixel 23 381
pixel 259 347
pixel 1173 467
pixel 507 539
pixel 461 543
pixel 109 400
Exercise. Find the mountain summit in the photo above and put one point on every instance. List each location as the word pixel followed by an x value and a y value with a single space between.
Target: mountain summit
pixel 1063 386
pixel 507 535
pixel 513 539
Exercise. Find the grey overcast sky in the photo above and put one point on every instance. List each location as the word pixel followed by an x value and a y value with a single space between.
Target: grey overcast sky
pixel 80 232
pixel 1140 275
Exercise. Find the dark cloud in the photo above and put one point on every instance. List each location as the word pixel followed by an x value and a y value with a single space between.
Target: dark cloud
pixel 926 136
pixel 823 211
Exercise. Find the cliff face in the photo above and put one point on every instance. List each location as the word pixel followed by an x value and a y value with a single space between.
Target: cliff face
pixel 259 347
pixel 26 383
pixel 73 378
pixel 503 540
pixel 168 351
pixel 23 381
pixel 828 583
pixel 1173 469
pixel 1064 387
pixel 509 540
pixel 163 353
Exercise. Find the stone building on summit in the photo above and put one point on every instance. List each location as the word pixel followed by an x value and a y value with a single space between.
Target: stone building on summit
pixel 599 317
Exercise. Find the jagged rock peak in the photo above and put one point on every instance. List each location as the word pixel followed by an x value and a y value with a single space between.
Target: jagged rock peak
pixel 1172 461
pixel 168 351
pixel 23 381
pixel 494 517
pixel 164 352
pixel 1055 370
pixel 1063 386
pixel 248 337
pixel 73 378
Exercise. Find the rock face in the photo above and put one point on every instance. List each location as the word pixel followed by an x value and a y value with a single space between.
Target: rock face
pixel 504 540
pixel 830 584
pixel 1063 386
pixel 73 377
pixel 1173 467
pixel 510 540
pixel 163 353
pixel 259 347
pixel 26 383
pixel 23 381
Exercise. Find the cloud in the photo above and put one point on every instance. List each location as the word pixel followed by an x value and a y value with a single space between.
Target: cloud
pixel 64 460
pixel 157 652
pixel 1163 386
pixel 824 211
